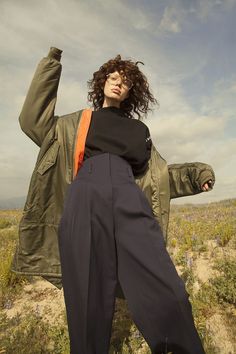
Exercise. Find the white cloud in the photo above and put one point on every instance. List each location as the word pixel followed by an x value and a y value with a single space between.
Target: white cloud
pixel 172 19
pixel 222 98
pixel 183 135
pixel 206 8
pixel 131 16
pixel 179 13
pixel 71 97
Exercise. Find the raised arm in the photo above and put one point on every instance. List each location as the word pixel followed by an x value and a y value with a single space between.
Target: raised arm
pixel 190 178
pixel 37 115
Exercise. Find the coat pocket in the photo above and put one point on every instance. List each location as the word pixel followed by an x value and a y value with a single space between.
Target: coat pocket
pixel 49 158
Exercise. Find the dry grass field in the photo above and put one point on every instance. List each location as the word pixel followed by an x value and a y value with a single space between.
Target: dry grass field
pixel 202 244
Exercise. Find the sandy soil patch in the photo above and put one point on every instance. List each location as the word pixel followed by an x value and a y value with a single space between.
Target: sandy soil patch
pixel 221 337
pixel 41 297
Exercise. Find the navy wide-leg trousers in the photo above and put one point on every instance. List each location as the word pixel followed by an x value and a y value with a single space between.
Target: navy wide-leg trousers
pixel 108 233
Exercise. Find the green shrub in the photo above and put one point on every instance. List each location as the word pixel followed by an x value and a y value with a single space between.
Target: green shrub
pixel 4 223
pixel 59 339
pixel 27 335
pixel 10 282
pixel 7 278
pixel 203 306
pixel 225 283
pixel 31 335
pixel 224 231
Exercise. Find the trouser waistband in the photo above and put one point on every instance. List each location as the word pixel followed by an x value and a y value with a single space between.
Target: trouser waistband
pixel 106 167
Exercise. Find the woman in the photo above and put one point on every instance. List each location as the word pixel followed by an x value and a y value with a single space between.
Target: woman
pixel 94 187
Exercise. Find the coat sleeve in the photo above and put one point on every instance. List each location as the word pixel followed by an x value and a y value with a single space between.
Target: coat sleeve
pixel 188 178
pixel 37 115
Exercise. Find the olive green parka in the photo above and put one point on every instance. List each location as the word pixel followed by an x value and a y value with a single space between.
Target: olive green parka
pixel 37 251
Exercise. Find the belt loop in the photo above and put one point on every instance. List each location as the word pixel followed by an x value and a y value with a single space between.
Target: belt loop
pixel 90 167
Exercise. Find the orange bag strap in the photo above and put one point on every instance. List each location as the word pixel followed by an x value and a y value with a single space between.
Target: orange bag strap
pixel 81 139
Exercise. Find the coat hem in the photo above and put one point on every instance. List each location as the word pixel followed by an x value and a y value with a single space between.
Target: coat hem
pixel 55 275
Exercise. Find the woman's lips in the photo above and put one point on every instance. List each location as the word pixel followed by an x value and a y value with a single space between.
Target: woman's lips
pixel 117 91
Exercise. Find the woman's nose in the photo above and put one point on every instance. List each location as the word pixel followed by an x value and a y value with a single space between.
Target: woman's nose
pixel 118 81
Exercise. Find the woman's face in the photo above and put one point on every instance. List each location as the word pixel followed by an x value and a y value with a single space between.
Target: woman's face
pixel 116 89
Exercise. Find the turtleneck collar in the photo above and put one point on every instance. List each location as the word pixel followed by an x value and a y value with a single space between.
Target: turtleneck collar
pixel 114 109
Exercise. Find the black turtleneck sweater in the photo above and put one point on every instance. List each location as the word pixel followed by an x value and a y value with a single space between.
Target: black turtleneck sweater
pixel 111 131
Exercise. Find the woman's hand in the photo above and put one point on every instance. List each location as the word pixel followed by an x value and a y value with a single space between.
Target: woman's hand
pixel 206 186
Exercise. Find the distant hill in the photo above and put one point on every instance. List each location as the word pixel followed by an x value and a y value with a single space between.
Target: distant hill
pixel 12 203
pixel 18 203
pixel 223 203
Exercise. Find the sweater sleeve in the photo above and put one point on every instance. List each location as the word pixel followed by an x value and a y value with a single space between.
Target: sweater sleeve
pixel 37 115
pixel 139 169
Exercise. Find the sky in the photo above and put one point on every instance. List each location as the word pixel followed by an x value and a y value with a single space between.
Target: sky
pixel 189 51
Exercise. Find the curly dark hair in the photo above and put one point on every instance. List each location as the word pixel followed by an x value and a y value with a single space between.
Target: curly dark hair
pixel 139 98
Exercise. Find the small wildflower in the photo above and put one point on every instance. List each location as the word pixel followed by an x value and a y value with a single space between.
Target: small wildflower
pixel 8 304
